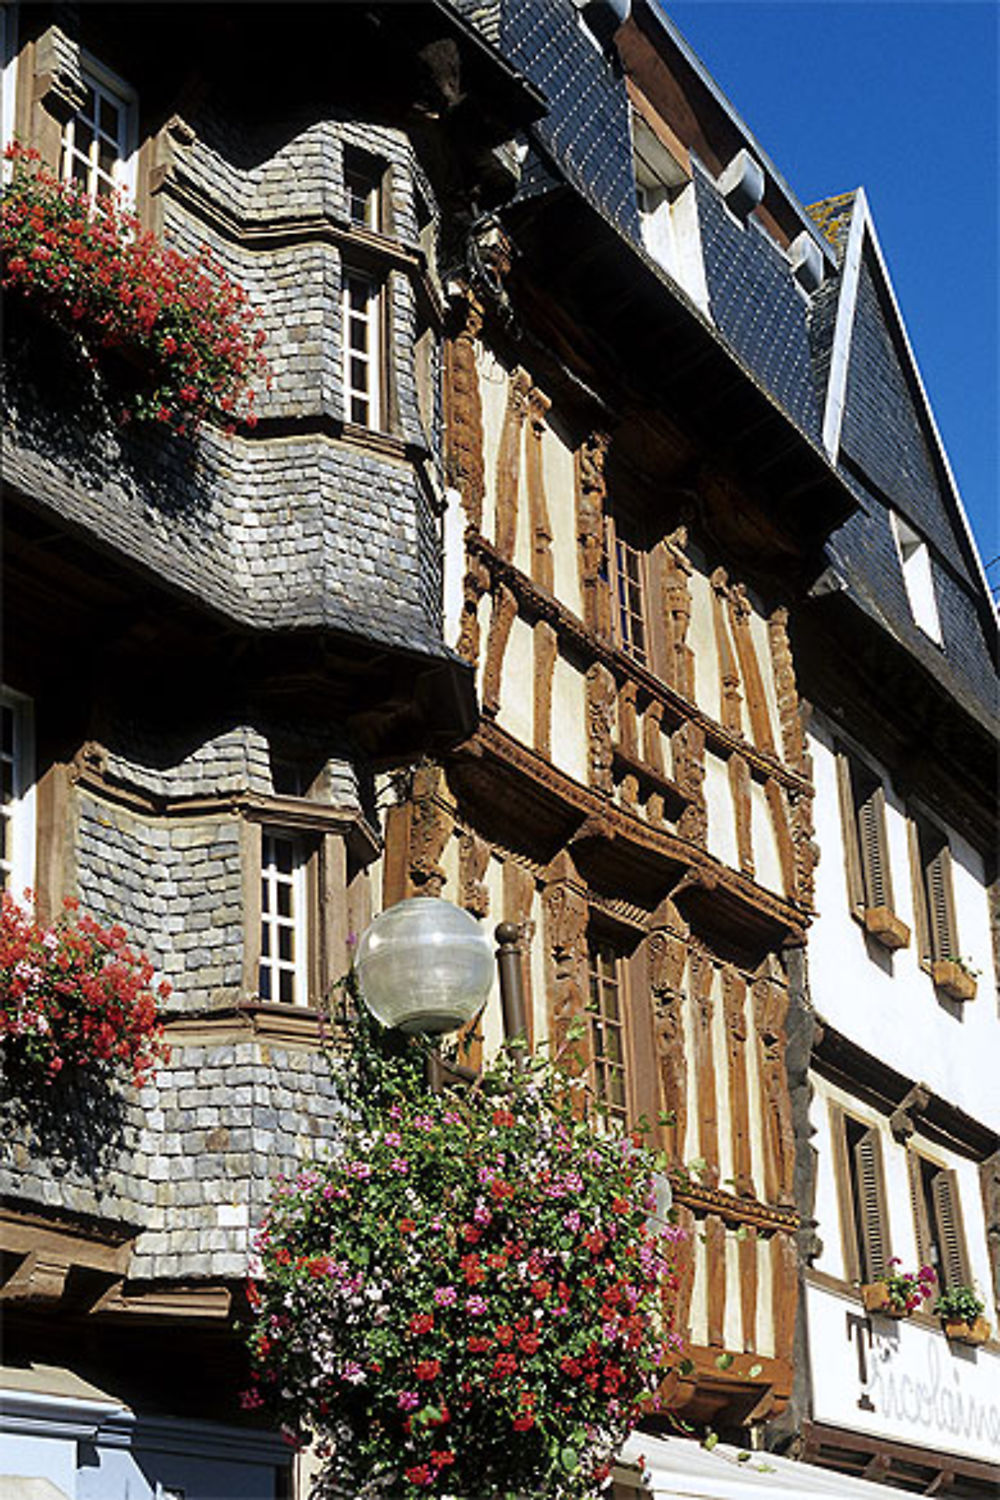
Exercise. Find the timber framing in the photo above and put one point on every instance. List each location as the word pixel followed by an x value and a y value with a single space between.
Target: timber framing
pixel 535 603
pixel 613 844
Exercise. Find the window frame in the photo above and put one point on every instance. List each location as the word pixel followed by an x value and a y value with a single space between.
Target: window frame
pixel 370 172
pixel 862 1199
pixel 271 919
pixel 17 867
pixel 937 925
pixel 918 577
pixel 938 1223
pixel 618 547
pixel 102 82
pixel 602 948
pixel 374 356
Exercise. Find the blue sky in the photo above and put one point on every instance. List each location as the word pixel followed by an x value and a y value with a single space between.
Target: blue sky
pixel 899 97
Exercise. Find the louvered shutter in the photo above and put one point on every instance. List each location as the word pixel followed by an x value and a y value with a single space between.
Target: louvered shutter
pixel 872 841
pixel 954 1267
pixel 873 1229
pixel 852 850
pixel 939 903
pixel 921 1223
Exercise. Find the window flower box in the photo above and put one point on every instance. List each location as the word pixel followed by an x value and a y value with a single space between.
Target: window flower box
pixel 877 1298
pixel 953 979
pixel 957 1331
pixel 886 928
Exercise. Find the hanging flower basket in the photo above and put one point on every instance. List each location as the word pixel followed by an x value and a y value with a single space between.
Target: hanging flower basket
pixel 469 1299
pixel 171 335
pixel 898 1293
pixel 75 996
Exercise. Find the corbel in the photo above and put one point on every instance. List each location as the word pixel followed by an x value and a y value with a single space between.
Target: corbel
pixel 901 1121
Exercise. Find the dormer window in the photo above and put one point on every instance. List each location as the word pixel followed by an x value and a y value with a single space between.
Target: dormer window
pixel 915 561
pixel 668 213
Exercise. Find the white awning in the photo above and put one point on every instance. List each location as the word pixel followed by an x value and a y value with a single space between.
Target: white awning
pixel 679 1468
pixel 15 1487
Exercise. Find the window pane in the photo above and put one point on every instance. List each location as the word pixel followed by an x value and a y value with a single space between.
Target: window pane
pixel 264 984
pixel 359 411
pixel 359 374
pixel 6 731
pixel 283 856
pixel 109 118
pixel 84 137
pixel 265 894
pixel 265 940
pixel 358 335
pixel 6 780
pixel 286 987
pixel 284 894
pixel 106 158
pixel 5 838
pixel 89 103
pixel 285 949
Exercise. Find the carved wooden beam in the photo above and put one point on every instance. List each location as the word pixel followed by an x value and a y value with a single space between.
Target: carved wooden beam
pixel 473 859
pixel 748 1286
pixel 464 414
pixel 778 808
pixel 770 1005
pixel 734 994
pixel 508 466
pixel 740 611
pixel 786 691
pixel 501 622
pixel 538 509
pixel 688 747
pixel 739 786
pixel 729 677
pixel 591 492
pixel 474 586
pixel 546 653
pixel 565 912
pixel 432 822
pixel 715 1276
pixel 676 604
pixel 702 978
pixel 600 721
pixel 666 957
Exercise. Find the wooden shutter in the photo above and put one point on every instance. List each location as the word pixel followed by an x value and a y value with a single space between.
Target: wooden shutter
pixel 874 860
pixel 940 905
pixel 852 846
pixel 954 1267
pixel 870 1206
pixel 918 1201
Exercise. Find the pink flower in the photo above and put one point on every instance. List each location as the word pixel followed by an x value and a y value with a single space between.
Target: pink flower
pixel 408 1400
pixel 476 1305
pixel 445 1296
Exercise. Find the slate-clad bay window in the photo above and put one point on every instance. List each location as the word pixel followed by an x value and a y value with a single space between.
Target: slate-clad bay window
pixel 17 839
pixel 937 1216
pixel 861 1194
pixel 284 924
pixel 362 332
pixel 97 144
pixel 934 901
pixel 608 1036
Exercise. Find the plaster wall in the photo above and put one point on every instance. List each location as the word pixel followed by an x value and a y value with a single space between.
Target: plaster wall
pixel 721 825
pixel 493 396
pixel 886 1002
pixel 560 493
pixel 767 865
pixel 569 718
pixel 516 712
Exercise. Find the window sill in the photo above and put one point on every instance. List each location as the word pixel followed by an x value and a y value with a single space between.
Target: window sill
pixel 885 927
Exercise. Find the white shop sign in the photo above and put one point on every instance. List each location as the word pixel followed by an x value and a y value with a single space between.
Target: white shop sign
pixel 894 1379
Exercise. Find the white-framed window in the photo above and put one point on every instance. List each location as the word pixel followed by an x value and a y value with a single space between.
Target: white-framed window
pixel 17 810
pixel 363 179
pixel 98 141
pixel 362 349
pixel 284 923
pixel 915 561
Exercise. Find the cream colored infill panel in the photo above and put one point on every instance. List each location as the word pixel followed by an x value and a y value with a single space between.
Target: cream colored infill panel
pixel 733 1325
pixel 560 491
pixel 449 864
pixel 701 639
pixel 721 820
pixel 767 866
pixel 517 684
pixel 764 1343
pixel 539 971
pixel 493 394
pixel 569 720
pixel 755 1100
pixel 699 1289
pixel 762 646
pixel 723 1104
pixel 484 610
pixel 524 542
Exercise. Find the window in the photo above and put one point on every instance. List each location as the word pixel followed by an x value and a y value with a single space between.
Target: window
pixel 96 144
pixel 283 919
pixel 362 338
pixel 863 809
pixel 607 1029
pixel 934 902
pixel 864 1227
pixel 627 565
pixel 915 561
pixel 937 1216
pixel 17 816
pixel 363 175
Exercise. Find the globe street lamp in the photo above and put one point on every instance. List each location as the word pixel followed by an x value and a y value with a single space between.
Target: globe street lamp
pixel 424 965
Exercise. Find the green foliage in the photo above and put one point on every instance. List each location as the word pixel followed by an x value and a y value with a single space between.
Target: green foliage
pixel 959 1304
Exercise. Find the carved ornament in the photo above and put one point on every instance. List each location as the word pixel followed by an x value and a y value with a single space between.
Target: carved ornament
pixel 501 622
pixel 591 492
pixel 508 466
pixel 676 598
pixel 541 526
pixel 729 677
pixel 432 822
pixel 473 860
pixel 600 720
pixel 740 612
pixel 786 690
pixel 464 414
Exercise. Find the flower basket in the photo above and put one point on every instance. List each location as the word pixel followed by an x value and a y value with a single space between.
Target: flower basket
pixel 957 1331
pixel 953 980
pixel 877 1299
pixel 886 928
